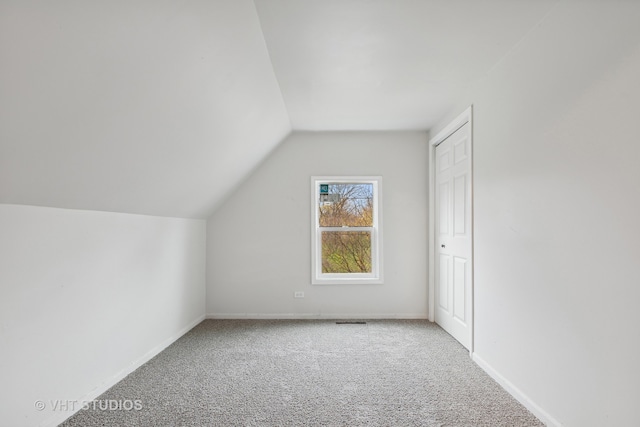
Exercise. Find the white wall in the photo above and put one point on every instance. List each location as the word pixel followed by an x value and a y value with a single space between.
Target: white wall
pixel 259 241
pixel 85 297
pixel 557 216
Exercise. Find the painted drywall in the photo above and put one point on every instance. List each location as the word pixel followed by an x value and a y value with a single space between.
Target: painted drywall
pixel 84 298
pixel 386 65
pixel 557 208
pixel 259 241
pixel 154 107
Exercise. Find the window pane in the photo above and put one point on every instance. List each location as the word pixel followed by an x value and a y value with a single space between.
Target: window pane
pixel 346 205
pixel 346 252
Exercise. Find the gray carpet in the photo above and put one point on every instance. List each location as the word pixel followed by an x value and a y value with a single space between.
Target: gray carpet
pixel 311 373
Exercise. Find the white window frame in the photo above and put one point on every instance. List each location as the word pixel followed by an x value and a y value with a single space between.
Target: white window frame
pixel 317 276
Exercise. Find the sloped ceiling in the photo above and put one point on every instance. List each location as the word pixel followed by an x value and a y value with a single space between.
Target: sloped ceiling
pixel 162 107
pixel 155 107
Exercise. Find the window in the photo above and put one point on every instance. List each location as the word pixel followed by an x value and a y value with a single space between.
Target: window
pixel 346 230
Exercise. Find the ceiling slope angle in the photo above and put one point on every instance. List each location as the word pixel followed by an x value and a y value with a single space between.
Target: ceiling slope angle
pixel 147 107
pixel 386 64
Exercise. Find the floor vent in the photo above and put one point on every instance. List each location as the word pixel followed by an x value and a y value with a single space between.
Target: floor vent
pixel 354 322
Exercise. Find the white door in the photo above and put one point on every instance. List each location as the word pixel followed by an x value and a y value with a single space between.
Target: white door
pixel 453 251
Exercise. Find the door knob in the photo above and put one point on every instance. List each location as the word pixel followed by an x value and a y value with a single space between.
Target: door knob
pixel 442 246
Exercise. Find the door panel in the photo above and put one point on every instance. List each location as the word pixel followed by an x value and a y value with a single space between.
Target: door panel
pixel 453 238
pixel 459 204
pixel 444 209
pixel 460 150
pixel 444 280
pixel 445 160
pixel 459 281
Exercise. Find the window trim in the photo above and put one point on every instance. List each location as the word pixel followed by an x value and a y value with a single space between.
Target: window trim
pixel 375 277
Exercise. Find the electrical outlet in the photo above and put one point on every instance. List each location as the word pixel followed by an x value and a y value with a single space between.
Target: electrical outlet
pixel 298 294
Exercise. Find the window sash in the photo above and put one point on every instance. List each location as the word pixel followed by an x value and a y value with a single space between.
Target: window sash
pixel 346 276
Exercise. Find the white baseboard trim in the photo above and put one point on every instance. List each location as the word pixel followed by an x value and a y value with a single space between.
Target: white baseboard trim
pixel 514 391
pixel 305 316
pixel 60 417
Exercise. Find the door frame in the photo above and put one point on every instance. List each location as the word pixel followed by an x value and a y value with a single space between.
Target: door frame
pixel 454 125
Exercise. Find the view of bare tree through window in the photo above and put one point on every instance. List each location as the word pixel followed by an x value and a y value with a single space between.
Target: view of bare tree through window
pixel 346 205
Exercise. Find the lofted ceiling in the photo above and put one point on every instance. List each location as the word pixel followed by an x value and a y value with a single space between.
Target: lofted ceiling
pixel 162 107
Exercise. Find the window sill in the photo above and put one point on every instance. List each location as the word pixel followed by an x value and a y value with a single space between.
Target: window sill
pixel 347 281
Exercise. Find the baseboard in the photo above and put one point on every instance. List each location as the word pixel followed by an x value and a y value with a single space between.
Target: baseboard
pixel 536 410
pixel 110 382
pixel 306 316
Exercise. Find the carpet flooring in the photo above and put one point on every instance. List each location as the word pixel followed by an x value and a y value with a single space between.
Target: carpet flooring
pixel 310 373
